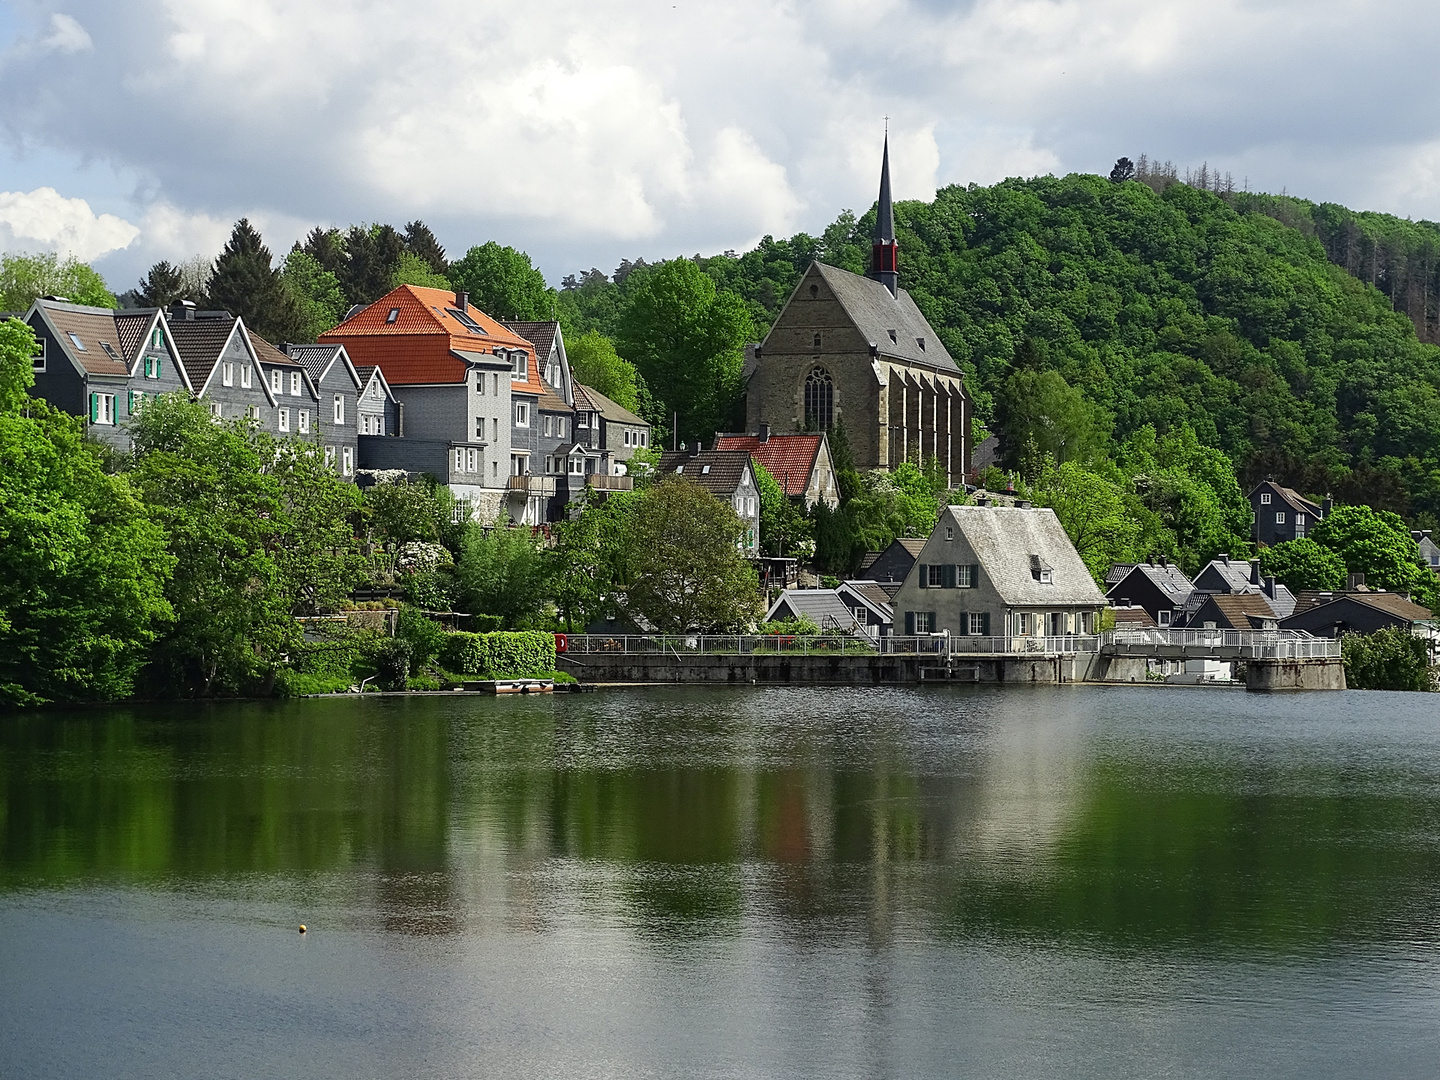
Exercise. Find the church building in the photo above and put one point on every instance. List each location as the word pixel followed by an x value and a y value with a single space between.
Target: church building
pixel 856 351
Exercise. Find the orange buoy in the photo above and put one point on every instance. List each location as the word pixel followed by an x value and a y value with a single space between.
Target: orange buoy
pixel 302 927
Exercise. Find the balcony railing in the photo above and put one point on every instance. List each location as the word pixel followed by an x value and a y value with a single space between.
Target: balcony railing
pixel 532 484
pixel 941 645
pixel 601 482
pixel 1244 644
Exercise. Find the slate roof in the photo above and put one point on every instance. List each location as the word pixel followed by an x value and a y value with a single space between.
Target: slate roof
pixel 1235 611
pixel 1117 573
pixel 876 313
pixel 365 374
pixel 269 354
pixel 1006 538
pixel 315 359
pixel 1169 579
pixel 824 606
pixel 611 410
pixel 200 342
pixel 1131 616
pixel 1235 573
pixel 789 458
pixel 1295 500
pixel 539 334
pixel 123 331
pixel 717 471
pixel 1389 602
pixel 878 599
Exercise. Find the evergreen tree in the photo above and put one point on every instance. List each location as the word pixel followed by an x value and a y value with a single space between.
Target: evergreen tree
pixel 372 257
pixel 162 286
pixel 421 242
pixel 326 247
pixel 244 283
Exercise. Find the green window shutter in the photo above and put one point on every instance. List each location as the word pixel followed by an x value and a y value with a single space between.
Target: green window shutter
pixel 924 576
pixel 94 407
pixel 964 623
pixel 985 624
pixel 910 624
pixel 947 576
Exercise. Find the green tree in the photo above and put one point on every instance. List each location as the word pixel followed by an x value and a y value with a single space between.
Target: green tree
pixel 26 278
pixel 405 511
pixel 162 286
pixel 372 254
pixel 594 362
pixel 316 291
pixel 413 270
pixel 326 247
pixel 1377 543
pixel 590 564
pixel 421 242
pixel 1093 512
pixel 314 540
pixel 689 572
pixel 687 339
pixel 503 572
pixel 1389 659
pixel 244 283
pixel 82 563
pixel 784 530
pixel 1039 415
pixel 502 282
pixel 1304 564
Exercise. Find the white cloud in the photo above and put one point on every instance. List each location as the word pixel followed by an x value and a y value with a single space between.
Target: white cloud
pixel 66 36
pixel 45 220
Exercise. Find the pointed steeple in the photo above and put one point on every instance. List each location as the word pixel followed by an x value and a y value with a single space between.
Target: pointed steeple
pixel 884 251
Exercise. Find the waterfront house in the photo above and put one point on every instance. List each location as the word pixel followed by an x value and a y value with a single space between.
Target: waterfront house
pixel 895 562
pixel 872 605
pixel 296 403
pixel 729 476
pixel 1330 614
pixel 824 607
pixel 1233 611
pixel 101 364
pixel 1223 574
pixel 449 366
pixel 543 428
pixel 1161 588
pixel 1003 571
pixel 799 462
pixel 609 432
pixel 1282 513
pixel 337 391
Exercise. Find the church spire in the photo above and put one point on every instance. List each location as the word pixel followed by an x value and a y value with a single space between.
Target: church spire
pixel 884 251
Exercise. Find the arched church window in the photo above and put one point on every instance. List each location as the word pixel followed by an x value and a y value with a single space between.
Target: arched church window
pixel 819 400
pixel 816 342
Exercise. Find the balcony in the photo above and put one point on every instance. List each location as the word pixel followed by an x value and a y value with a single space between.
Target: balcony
pixel 530 484
pixel 610 483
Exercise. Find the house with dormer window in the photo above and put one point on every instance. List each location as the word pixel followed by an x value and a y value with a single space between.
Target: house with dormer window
pixel 730 477
pixel 220 362
pixel 102 364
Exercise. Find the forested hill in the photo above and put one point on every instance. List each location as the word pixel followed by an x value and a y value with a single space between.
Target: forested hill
pixel 1159 307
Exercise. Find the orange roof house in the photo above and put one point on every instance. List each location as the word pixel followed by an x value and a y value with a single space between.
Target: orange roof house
pixel 800 462
pixel 420 336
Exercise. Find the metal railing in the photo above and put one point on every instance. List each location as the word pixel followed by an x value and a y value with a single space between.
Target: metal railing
pixel 942 645
pixel 1248 644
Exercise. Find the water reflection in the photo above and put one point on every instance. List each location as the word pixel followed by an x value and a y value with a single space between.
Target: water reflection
pixel 1137 818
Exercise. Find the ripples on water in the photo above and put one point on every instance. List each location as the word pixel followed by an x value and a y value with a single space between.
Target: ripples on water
pixel 712 883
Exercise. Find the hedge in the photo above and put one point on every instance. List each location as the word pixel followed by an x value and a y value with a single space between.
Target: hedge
pixel 1389 659
pixel 500 655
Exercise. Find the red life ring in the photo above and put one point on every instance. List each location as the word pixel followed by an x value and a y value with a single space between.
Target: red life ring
pixel 561 643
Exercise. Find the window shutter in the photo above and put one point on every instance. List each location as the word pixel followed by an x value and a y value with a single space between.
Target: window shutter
pixel 934 625
pixel 924 576
pixel 94 407
pixel 964 623
pixel 985 624
pixel 975 576
pixel 910 624
pixel 947 576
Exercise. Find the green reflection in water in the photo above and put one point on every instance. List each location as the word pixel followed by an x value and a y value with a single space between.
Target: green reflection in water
pixel 697 815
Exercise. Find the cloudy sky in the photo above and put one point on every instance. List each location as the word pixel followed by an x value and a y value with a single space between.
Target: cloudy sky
pixel 584 132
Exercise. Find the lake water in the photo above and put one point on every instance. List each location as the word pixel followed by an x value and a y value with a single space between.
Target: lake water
pixel 674 883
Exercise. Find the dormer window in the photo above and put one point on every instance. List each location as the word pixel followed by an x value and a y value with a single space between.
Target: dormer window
pixel 893 338
pixel 921 342
pixel 518 360
pixel 705 470
pixel 394 314
pixel 1041 571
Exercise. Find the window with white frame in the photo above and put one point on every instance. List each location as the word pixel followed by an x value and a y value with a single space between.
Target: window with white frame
pixel 347 461
pixel 1279 517
pixel 375 390
pixel 1265 498
pixel 157 338
pixel 560 426
pixel 253 412
pixel 102 409
pixel 329 457
pixel 518 360
pixel 215 410
pixel 934 575
pixel 522 414
pixel 295 384
pixel 277 382
pixel 227 374
pixel 644 438
pixel 949 533
pixel 282 419
pixel 1029 623
pixel 577 465
pixel 1164 619
pixel 964 577
pixel 480 428
pixel 303 424
pixel 37 358
pixel 152 367
pixel 459 459
pixel 977 621
pixel 472 460
pixel 480 382
pixel 1299 519
pixel 245 376
pixel 924 622
pixel 549 425
pixel 137 401
pixel 339 408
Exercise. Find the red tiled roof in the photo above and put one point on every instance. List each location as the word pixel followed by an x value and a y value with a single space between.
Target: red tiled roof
pixel 416 347
pixel 789 458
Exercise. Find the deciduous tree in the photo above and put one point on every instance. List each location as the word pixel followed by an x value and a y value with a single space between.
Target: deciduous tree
pixel 502 282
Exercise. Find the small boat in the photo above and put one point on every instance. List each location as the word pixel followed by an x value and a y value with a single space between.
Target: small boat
pixel 514 686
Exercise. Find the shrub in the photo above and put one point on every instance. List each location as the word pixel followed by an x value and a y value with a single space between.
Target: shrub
pixel 291 683
pixel 424 635
pixel 340 653
pixel 1390 659
pixel 500 655
pixel 802 625
pixel 391 657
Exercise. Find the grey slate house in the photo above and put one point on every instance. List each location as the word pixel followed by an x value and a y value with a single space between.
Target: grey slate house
pixel 1002 571
pixel 221 365
pixel 1333 614
pixel 607 429
pixel 729 476
pixel 550 359
pixel 102 364
pixel 337 390
pixel 1162 590
pixel 377 411
pixel 1429 550
pixel 297 406
pixel 896 561
pixel 543 432
pixel 871 604
pixel 1233 611
pixel 1225 575
pixel 824 607
pixel 1282 513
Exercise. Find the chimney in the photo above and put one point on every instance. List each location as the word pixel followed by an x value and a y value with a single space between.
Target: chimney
pixel 1268 585
pixel 462 301
pixel 695 450
pixel 1326 505
pixel 182 311
pixel 764 433
pixel 1254 571
pixel 1023 504
pixel 1355 583
pixel 1164 562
